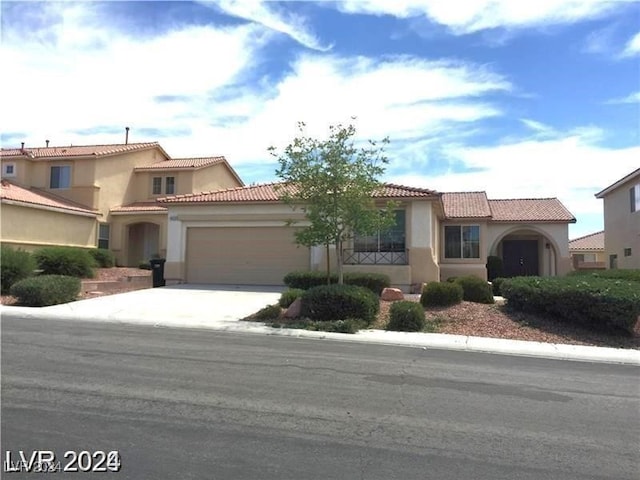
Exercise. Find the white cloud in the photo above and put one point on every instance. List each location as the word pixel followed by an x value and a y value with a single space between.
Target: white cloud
pixel 468 16
pixel 633 46
pixel 631 98
pixel 256 11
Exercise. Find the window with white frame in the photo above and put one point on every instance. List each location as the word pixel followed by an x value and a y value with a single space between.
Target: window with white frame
pixel 103 235
pixel 634 198
pixel 9 170
pixel 462 241
pixel 60 176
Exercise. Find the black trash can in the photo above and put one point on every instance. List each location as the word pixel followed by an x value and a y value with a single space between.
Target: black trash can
pixel 157 269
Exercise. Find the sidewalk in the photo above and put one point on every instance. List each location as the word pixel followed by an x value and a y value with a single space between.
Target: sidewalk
pixel 220 308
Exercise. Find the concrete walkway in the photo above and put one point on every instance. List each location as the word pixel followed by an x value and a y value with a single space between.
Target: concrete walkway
pixel 221 307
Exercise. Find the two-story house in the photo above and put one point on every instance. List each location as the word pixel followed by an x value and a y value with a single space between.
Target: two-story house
pixel 622 221
pixel 99 195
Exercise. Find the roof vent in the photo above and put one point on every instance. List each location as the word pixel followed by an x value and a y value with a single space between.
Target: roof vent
pixel 22 147
pixel 126 136
pixel 47 142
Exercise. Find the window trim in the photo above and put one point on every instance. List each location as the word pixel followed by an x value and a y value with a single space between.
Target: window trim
pixel 153 186
pixel 100 238
pixel 462 257
pixel 627 252
pixel 5 166
pixel 379 233
pixel 51 167
pixel 166 185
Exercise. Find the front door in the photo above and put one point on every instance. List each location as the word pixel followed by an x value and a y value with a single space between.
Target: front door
pixel 520 257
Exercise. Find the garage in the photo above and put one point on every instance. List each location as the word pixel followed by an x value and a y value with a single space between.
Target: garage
pixel 242 255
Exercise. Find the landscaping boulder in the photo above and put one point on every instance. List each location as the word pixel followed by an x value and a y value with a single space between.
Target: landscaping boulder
pixel 294 309
pixel 392 294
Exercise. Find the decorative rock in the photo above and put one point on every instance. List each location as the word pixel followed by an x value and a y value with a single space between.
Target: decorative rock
pixel 418 288
pixel 294 309
pixel 391 294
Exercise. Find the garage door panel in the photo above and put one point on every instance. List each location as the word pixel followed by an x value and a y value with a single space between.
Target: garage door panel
pixel 243 255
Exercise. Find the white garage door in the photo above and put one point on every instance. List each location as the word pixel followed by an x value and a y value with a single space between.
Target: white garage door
pixel 243 255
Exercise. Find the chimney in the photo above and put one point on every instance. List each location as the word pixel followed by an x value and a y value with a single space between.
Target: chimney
pixel 126 135
pixel 47 141
pixel 22 147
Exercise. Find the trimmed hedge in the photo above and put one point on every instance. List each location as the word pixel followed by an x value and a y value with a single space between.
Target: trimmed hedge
pixel 475 289
pixel 15 265
pixel 303 280
pixel 102 257
pixel 406 316
pixel 339 302
pixel 594 302
pixel 45 290
pixel 494 267
pixel 615 274
pixel 441 294
pixel 70 261
pixel 290 296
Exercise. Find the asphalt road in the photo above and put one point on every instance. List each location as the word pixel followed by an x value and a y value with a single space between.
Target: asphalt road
pixel 185 404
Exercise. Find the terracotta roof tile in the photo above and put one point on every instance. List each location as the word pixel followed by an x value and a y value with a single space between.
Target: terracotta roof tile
pixel 36 153
pixel 593 241
pixel 269 192
pixel 182 163
pixel 466 205
pixel 139 207
pixel 530 210
pixel 12 192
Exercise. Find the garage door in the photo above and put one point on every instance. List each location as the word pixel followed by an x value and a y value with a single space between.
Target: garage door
pixel 243 255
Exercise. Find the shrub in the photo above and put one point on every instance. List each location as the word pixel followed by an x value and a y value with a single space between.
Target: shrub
pixel 495 286
pixel 406 316
pixel 102 257
pixel 269 312
pixel 442 294
pixel 452 279
pixel 593 302
pixel 289 296
pixel 45 290
pixel 15 265
pixel 632 275
pixel 475 289
pixel 306 280
pixel 375 282
pixel 144 265
pixel 337 302
pixel 494 267
pixel 70 261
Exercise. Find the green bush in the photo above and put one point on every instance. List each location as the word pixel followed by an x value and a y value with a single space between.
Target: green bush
pixel 144 265
pixel 593 302
pixel 633 275
pixel 45 290
pixel 338 302
pixel 305 280
pixel 475 289
pixel 406 316
pixel 375 282
pixel 441 294
pixel 495 286
pixel 452 279
pixel 494 267
pixel 15 265
pixel 102 257
pixel 70 261
pixel 289 296
pixel 270 312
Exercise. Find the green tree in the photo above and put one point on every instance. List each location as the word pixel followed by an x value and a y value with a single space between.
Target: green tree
pixel 333 182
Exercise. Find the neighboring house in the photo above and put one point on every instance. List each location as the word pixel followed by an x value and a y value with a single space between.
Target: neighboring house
pixel 99 195
pixel 241 236
pixel 622 222
pixel 587 252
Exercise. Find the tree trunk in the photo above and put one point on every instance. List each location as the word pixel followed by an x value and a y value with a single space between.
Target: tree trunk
pixel 328 264
pixel 339 261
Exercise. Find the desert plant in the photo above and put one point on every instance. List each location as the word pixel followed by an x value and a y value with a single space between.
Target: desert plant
pixel 270 312
pixel 475 289
pixel 15 265
pixel 102 257
pixel 289 296
pixel 45 290
pixel 441 294
pixel 69 261
pixel 406 316
pixel 495 285
pixel 337 302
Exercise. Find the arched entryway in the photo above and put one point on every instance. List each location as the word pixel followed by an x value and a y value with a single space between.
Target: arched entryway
pixel 143 240
pixel 526 251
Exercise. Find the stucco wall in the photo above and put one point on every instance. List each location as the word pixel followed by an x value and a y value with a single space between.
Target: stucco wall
pixel 22 170
pixel 30 226
pixel 217 177
pixel 622 227
pixel 119 233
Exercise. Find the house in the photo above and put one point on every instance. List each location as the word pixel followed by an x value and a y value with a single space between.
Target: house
pixel 242 236
pixel 587 252
pixel 622 221
pixel 99 195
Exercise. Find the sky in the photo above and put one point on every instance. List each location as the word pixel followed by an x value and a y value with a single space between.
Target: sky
pixel 520 99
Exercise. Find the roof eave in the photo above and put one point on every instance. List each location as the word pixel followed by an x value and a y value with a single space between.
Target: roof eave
pixel 616 185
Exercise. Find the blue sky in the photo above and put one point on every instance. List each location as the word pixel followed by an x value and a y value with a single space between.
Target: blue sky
pixel 521 99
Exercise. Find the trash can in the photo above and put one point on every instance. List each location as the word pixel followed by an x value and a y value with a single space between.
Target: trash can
pixel 157 269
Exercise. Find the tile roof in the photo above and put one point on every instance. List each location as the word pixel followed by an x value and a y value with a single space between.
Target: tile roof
pixel 269 192
pixel 182 163
pixel 530 210
pixel 76 151
pixel 466 205
pixel 12 192
pixel 593 241
pixel 139 207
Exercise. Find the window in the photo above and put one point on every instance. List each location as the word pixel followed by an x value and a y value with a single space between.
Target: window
pixel 157 185
pixel 627 252
pixel 391 240
pixel 60 177
pixel 170 185
pixel 462 241
pixel 613 261
pixel 8 170
pixel 103 235
pixel 634 198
